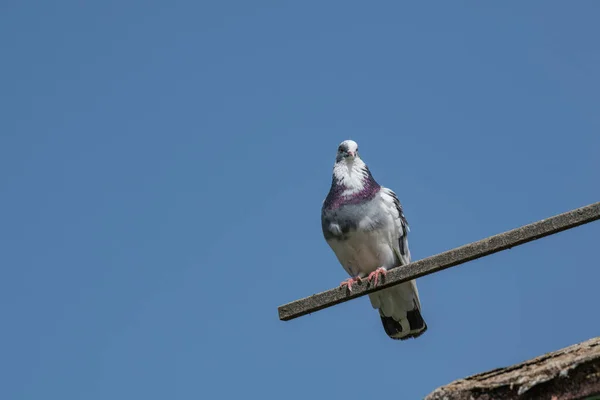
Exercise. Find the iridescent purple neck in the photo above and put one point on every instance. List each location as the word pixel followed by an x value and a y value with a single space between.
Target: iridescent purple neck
pixel 335 199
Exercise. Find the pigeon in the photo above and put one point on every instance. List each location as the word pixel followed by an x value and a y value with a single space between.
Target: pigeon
pixel 365 226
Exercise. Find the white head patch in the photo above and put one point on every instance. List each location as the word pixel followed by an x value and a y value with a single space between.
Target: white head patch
pixel 349 169
pixel 348 145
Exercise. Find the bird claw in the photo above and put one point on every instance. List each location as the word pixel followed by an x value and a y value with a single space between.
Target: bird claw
pixel 350 281
pixel 375 275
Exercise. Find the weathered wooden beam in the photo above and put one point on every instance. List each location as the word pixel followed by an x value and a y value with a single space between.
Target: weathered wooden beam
pixel 439 262
pixel 572 373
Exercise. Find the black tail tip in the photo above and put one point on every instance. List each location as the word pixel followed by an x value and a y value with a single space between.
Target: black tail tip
pixel 394 329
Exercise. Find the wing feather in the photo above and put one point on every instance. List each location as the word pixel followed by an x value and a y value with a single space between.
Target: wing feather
pixel 395 208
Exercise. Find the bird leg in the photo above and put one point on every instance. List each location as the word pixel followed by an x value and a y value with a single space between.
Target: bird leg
pixel 375 275
pixel 350 281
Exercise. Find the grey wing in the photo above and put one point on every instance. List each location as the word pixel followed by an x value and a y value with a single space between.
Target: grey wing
pixel 401 225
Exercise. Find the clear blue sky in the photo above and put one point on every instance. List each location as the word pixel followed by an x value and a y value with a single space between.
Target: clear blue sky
pixel 163 164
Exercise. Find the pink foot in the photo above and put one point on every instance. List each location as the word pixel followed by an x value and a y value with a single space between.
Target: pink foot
pixel 350 281
pixel 375 275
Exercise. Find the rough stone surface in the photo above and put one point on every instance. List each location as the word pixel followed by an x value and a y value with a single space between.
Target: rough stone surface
pixel 451 258
pixel 572 373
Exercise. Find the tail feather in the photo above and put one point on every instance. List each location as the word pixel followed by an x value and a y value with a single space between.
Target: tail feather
pixel 400 330
pixel 400 311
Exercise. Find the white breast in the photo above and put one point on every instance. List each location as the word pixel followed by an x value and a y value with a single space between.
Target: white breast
pixel 365 249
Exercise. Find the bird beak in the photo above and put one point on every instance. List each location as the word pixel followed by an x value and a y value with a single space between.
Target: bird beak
pixel 350 152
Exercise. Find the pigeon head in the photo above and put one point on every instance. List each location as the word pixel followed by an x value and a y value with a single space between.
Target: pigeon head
pixel 352 181
pixel 347 151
